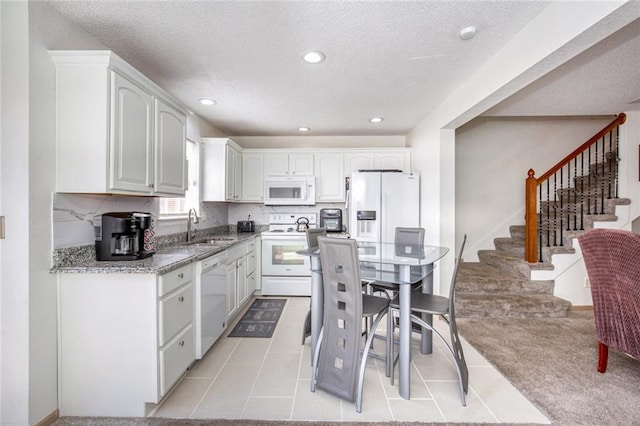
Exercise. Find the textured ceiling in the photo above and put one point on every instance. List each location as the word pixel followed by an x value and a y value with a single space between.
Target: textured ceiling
pixel 393 59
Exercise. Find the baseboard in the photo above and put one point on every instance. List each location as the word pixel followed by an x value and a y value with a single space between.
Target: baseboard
pixel 581 308
pixel 49 419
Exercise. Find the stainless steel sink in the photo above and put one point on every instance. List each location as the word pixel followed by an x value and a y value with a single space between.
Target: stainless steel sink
pixel 211 241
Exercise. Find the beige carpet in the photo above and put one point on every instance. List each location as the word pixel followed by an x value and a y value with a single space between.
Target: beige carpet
pixel 552 361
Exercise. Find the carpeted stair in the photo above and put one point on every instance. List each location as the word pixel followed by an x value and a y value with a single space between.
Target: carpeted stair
pixel 499 285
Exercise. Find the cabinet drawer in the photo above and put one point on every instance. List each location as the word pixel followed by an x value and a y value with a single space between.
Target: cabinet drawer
pixel 175 358
pixel 176 311
pixel 174 279
pixel 251 245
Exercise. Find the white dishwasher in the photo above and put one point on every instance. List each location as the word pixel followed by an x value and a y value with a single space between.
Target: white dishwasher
pixel 210 301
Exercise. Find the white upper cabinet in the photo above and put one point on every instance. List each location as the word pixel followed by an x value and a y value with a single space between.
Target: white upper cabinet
pixel 221 170
pixel 392 158
pixel 117 131
pixel 288 164
pixel 252 176
pixel 170 175
pixel 330 183
pixel 131 136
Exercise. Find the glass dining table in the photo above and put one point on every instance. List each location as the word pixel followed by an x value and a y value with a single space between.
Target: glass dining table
pixel 402 264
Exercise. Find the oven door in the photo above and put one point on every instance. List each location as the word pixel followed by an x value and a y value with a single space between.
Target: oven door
pixel 279 256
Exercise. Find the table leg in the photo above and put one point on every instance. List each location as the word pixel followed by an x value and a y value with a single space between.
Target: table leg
pixel 404 356
pixel 426 341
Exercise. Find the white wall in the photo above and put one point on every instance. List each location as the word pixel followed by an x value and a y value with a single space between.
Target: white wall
pixel 544 44
pixel 493 156
pixel 15 291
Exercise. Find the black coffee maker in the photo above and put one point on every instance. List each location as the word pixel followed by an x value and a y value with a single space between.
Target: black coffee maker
pixel 124 236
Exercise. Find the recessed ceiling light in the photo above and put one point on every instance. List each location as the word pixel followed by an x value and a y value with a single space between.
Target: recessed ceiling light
pixel 313 57
pixel 467 33
pixel 303 129
pixel 376 119
pixel 207 101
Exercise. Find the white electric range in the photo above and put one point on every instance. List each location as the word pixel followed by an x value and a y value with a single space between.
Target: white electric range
pixel 285 273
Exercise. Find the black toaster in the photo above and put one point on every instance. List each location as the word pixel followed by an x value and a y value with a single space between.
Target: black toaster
pixel 246 226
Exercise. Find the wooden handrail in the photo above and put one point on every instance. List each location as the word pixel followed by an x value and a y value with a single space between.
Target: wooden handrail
pixel 531 185
pixel 620 119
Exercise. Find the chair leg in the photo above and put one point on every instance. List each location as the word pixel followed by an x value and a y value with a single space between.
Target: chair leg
pixel 306 328
pixel 363 360
pixel 603 357
pixel 456 361
pixel 389 350
pixel 314 366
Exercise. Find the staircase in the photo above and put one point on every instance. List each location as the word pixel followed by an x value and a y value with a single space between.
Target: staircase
pixel 499 285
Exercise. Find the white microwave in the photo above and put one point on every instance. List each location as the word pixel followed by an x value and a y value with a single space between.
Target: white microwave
pixel 289 190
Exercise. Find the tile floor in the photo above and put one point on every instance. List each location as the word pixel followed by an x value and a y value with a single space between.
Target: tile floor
pixel 269 379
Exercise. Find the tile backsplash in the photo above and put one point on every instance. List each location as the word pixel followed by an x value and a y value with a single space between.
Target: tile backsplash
pixel 73 215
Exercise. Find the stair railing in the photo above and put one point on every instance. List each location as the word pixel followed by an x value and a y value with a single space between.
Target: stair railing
pixel 553 206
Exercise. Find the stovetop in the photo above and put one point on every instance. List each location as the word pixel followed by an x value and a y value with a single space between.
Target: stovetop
pixel 280 223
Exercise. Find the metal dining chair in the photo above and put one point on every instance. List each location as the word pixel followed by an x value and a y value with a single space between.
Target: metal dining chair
pixel 412 239
pixel 312 241
pixel 339 360
pixel 432 304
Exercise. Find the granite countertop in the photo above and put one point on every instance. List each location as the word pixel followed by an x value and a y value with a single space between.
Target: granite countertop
pixel 165 259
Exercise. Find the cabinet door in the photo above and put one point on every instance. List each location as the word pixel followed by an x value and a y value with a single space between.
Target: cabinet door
pixel 237 176
pixel 276 164
pixel 252 177
pixel 232 302
pixel 330 184
pixel 131 142
pixel 233 174
pixel 393 160
pixel 242 281
pixel 357 161
pixel 170 157
pixel 231 171
pixel 301 164
pixel 251 284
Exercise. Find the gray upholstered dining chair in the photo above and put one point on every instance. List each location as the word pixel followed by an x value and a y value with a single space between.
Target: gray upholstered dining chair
pixel 432 304
pixel 339 360
pixel 412 239
pixel 312 241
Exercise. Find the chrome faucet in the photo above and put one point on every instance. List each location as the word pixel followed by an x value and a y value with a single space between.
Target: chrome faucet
pixel 195 220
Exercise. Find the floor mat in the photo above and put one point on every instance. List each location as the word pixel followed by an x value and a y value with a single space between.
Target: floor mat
pixel 260 320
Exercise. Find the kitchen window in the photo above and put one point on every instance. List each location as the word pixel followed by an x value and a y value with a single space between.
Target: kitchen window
pixel 173 208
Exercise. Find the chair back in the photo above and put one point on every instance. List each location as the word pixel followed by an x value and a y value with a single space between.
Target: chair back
pixel 313 234
pixel 342 326
pixel 612 260
pixel 452 287
pixel 409 236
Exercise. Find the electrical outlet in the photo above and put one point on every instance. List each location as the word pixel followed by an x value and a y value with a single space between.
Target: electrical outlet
pixel 587 283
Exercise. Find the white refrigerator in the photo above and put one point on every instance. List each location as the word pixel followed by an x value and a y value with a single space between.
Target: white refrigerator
pixel 380 201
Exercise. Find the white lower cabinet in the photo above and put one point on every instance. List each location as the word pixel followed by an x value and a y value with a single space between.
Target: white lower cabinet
pixel 125 339
pixel 241 265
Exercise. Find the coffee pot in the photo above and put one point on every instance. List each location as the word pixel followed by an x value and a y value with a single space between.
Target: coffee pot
pixel 124 236
pixel 302 224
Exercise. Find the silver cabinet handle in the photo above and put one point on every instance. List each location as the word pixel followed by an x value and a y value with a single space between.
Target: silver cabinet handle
pixel 181 299
pixel 180 275
pixel 181 343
